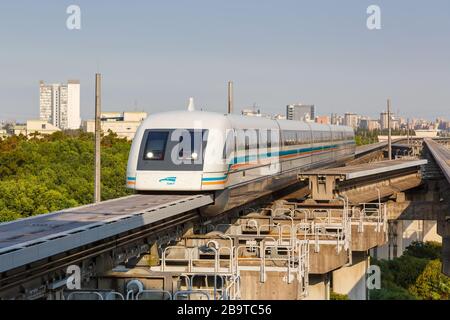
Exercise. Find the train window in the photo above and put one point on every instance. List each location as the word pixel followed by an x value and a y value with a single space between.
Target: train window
pixel 230 144
pixel 306 137
pixel 264 142
pixel 299 137
pixel 289 138
pixel 156 145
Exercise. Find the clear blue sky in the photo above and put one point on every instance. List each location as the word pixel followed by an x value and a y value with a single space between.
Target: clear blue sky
pixel 155 54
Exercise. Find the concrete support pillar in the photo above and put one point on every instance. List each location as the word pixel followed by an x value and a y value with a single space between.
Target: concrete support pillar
pixel 153 256
pixel 446 256
pixel 403 232
pixel 319 287
pixel 351 280
pixel 188 229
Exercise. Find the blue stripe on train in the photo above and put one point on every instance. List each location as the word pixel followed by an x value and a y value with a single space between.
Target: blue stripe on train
pixel 250 158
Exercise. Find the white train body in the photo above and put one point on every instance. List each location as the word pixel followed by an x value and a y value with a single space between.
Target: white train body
pixel 239 158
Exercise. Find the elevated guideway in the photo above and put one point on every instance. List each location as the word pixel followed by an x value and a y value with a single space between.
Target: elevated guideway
pixel 367 148
pixel 32 239
pixel 364 182
pixel 441 155
pixel 34 252
pixel 440 152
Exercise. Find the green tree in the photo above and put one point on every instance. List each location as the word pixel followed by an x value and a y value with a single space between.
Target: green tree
pixel 432 284
pixel 426 250
pixel 53 172
pixel 338 296
pixel 400 276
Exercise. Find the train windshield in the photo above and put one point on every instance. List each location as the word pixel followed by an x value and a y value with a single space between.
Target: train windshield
pixel 173 149
pixel 156 145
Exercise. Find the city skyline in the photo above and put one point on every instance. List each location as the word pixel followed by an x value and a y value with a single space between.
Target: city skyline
pixel 153 56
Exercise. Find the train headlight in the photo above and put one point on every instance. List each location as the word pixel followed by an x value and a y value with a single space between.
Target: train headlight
pixel 194 155
pixel 149 155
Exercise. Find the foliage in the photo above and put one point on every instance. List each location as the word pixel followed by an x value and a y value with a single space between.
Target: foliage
pixel 338 296
pixel 40 175
pixel 392 292
pixel 364 136
pixel 414 275
pixel 432 284
pixel 427 250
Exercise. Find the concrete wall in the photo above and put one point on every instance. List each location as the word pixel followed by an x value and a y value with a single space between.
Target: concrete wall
pixel 274 288
pixel 319 287
pixel 408 231
pixel 351 280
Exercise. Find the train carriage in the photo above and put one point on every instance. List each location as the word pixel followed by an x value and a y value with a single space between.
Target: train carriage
pixel 238 158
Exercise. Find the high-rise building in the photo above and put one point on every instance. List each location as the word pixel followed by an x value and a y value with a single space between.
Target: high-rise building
pixel 300 112
pixel 351 120
pixel 59 104
pixel 395 124
pixel 369 124
pixel 384 120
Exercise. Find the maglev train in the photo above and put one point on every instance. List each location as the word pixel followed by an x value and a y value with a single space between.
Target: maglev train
pixel 237 158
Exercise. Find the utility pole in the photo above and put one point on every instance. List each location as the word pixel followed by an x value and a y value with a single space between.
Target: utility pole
pixel 407 130
pixel 389 129
pixel 98 129
pixel 230 97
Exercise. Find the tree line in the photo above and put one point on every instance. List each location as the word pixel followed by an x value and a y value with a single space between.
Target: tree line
pixel 416 275
pixel 53 172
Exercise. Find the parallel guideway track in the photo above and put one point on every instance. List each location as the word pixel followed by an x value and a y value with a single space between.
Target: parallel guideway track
pixel 28 240
pixel 441 155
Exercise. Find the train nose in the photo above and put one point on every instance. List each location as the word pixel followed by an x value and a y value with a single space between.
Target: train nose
pixel 163 181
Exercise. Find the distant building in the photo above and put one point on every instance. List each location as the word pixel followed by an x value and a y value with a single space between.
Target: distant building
pixel 323 119
pixel 279 117
pixel 336 119
pixel 395 124
pixel 59 104
pixel 35 127
pixel 428 133
pixel 369 124
pixel 3 134
pixel 124 124
pixel 20 129
pixel 251 112
pixel 351 120
pixel 300 112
